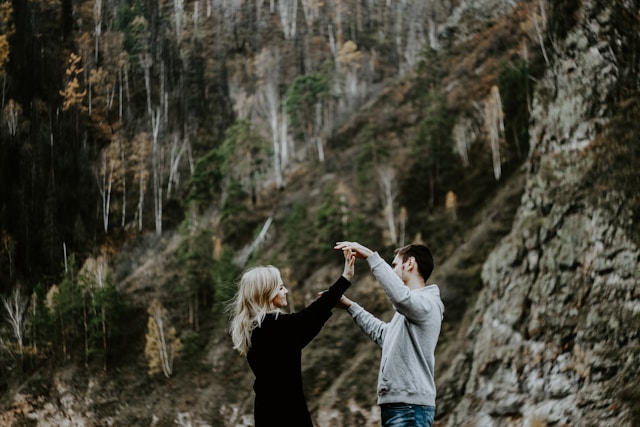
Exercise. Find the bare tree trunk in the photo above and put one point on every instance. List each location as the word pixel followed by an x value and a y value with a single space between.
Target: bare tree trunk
pixel 140 203
pixel 495 126
pixel 174 162
pixel 244 255
pixel 16 307
pixel 540 27
pixel 317 129
pixel 386 179
pixel 165 354
pixel 284 139
pixel 124 182
pixel 288 11
pixel 105 181
pixel 146 62
pixel 97 19
pixel 156 169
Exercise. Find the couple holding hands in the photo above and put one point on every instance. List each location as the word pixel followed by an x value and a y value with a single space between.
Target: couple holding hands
pixel 272 340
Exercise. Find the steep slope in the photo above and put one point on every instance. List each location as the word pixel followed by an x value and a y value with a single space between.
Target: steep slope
pixel 544 337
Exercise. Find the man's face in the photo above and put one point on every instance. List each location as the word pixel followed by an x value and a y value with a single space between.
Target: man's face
pixel 399 268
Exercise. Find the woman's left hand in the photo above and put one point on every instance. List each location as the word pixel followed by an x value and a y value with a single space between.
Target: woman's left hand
pixel 349 261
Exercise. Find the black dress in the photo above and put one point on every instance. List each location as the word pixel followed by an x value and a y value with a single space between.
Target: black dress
pixel 275 359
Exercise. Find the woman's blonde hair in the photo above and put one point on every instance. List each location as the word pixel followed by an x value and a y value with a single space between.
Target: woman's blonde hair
pixel 257 288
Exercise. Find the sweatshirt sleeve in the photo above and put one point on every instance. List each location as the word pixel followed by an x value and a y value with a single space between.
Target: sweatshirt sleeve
pixel 370 324
pixel 407 303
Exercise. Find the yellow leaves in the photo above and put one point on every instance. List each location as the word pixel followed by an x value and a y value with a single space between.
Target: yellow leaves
pixel 6 30
pixel 6 18
pixel 349 54
pixel 73 96
pixel 4 51
pixel 451 204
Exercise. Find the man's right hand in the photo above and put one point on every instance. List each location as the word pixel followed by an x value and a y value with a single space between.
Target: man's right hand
pixel 357 248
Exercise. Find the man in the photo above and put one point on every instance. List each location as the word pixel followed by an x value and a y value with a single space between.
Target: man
pixel 406 384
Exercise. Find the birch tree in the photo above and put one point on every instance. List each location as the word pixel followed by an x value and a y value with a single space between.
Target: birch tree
pixel 139 164
pixel 494 123
pixel 268 105
pixel 288 12
pixel 162 343
pixel 98 289
pixel 16 308
pixel 463 135
pixel 116 63
pixel 386 178
pixel 12 113
pixel 108 176
pixel 97 23
pixel 157 161
pixel 348 63
pixel 178 19
pixel 104 177
pixel 179 147
pixel 310 11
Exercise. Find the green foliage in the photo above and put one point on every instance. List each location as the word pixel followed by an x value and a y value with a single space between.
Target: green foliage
pixel 428 76
pixel 204 183
pixel 329 226
pixel 301 98
pixel 360 230
pixel 134 29
pixel 310 239
pixel 515 91
pixel 232 220
pixel 372 153
pixel 107 320
pixel 230 168
pixel 68 310
pixel 435 166
pixel 223 276
pixel 298 235
pixel 195 262
pixel 241 143
pixel 41 324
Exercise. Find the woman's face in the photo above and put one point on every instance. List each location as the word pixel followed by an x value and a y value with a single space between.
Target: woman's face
pixel 280 299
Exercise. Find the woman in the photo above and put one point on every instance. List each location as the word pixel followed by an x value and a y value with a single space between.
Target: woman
pixel 272 341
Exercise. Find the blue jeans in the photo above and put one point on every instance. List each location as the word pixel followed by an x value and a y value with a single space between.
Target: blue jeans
pixel 407 415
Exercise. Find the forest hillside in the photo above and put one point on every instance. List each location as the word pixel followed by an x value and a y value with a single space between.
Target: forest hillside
pixel 150 150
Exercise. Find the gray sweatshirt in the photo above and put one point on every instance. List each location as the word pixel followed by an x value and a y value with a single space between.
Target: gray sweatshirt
pixel 408 341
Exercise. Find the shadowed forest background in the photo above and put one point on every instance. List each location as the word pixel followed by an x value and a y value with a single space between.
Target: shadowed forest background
pixel 152 149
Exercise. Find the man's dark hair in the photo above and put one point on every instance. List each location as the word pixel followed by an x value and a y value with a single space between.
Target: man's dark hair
pixel 423 257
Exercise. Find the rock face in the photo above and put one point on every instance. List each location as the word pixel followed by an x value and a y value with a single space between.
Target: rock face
pixel 554 340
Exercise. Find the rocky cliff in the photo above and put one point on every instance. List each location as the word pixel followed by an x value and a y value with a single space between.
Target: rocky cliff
pixel 554 335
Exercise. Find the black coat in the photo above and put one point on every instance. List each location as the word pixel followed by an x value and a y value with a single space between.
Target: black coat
pixel 275 359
